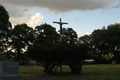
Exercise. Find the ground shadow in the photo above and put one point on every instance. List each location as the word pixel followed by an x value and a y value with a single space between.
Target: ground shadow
pixel 57 75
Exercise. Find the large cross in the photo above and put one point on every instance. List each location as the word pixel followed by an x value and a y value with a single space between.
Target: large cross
pixel 60 23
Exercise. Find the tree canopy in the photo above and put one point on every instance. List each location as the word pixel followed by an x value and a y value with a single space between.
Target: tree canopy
pixel 69 35
pixel 5 29
pixel 22 37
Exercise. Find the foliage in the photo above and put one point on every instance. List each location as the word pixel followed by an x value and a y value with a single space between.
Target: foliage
pixel 77 54
pixel 5 29
pixel 46 32
pixel 86 39
pixel 24 59
pixel 114 40
pixel 99 44
pixel 51 53
pixel 2 56
pixel 105 41
pixel 42 49
pixel 69 35
pixel 22 37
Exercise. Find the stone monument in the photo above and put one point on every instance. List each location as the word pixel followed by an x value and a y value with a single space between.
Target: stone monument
pixel 9 69
pixel 113 62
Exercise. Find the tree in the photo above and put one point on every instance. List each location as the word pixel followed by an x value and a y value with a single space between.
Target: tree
pixel 106 41
pixel 99 44
pixel 76 55
pixel 113 32
pixel 42 49
pixel 46 32
pixel 69 35
pixel 86 39
pixel 22 37
pixel 51 52
pixel 5 29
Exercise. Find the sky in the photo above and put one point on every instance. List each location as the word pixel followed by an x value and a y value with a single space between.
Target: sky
pixel 84 16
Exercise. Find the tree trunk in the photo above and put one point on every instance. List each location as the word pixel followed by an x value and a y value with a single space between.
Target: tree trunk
pixel 18 54
pixel 61 67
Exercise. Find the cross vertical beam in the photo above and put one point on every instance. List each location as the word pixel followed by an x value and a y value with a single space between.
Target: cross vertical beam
pixel 60 23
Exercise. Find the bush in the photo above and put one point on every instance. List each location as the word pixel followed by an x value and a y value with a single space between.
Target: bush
pixel 52 57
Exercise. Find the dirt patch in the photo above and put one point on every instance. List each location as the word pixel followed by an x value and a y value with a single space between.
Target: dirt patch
pixel 44 75
pixel 37 75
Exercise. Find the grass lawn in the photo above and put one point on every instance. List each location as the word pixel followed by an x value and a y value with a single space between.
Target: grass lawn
pixel 89 72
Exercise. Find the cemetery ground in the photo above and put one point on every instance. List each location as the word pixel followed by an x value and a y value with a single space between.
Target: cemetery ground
pixel 89 72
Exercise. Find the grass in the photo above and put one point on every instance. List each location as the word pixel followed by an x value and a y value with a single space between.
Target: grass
pixel 24 70
pixel 89 72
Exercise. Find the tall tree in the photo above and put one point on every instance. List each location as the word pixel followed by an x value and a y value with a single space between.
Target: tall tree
pixel 99 45
pixel 46 32
pixel 22 37
pixel 114 40
pixel 42 49
pixel 5 28
pixel 86 39
pixel 51 52
pixel 69 35
pixel 106 41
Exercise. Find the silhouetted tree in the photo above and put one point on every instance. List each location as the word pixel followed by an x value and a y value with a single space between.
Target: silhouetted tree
pixel 105 41
pixel 5 29
pixel 69 35
pixel 99 44
pixel 51 52
pixel 113 41
pixel 22 37
pixel 42 49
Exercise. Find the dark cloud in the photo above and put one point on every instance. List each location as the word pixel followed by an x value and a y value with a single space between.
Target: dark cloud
pixel 15 11
pixel 63 5
pixel 23 10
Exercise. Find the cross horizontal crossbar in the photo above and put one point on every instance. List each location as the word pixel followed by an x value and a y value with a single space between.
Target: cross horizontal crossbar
pixel 60 22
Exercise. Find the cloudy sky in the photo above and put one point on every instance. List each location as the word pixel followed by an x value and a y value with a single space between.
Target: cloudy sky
pixel 83 16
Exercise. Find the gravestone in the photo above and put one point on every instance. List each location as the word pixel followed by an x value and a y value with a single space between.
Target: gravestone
pixel 113 62
pixel 9 69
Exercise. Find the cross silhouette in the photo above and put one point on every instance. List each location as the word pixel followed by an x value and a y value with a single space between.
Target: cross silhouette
pixel 60 23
